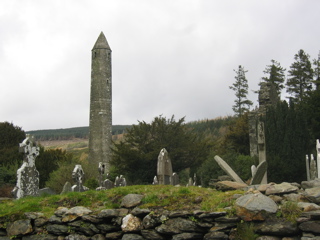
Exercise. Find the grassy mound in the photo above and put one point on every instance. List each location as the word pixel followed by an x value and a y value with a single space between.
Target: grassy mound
pixel 156 198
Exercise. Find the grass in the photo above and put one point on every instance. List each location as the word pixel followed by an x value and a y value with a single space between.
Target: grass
pixel 290 211
pixel 155 198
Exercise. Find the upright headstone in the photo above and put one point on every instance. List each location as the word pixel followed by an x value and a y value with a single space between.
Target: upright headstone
pixel 195 179
pixel 308 167
pixel 117 182
pixel 228 170
pixel 108 184
pixel 190 182
pixel 164 168
pixel 66 188
pixel 175 179
pixel 122 181
pixel 77 176
pixel 318 158
pixel 27 174
pixel 253 170
pixel 101 170
pixel 262 148
pixel 155 181
pixel 100 126
pixel 313 168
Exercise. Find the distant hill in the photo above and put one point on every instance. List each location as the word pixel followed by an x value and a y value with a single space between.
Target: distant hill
pixel 70 133
pixel 214 127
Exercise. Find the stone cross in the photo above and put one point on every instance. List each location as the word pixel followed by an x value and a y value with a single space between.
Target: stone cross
pixel 164 168
pixel 77 176
pixel 27 174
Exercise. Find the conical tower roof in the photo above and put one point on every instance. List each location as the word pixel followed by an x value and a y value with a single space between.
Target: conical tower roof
pixel 101 42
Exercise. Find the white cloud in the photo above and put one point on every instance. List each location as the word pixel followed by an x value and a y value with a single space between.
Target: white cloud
pixel 169 57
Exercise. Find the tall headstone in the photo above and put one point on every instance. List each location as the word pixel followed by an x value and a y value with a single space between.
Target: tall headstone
pixel 262 148
pixel 318 158
pixel 100 126
pixel 313 168
pixel 27 174
pixel 164 168
pixel 308 167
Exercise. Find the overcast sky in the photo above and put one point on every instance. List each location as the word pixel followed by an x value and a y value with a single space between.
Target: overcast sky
pixel 168 56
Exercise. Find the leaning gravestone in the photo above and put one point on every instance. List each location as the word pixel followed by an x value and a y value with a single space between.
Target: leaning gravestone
pixel 164 168
pixel 27 174
pixel 259 173
pixel 228 170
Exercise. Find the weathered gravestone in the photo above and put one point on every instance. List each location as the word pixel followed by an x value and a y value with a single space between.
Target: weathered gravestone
pixel 175 179
pixel 102 170
pixel 27 174
pixel 66 188
pixel 308 168
pixel 155 181
pixel 108 184
pixel 164 168
pixel 190 182
pixel 262 148
pixel 313 168
pixel 318 158
pixel 77 176
pixel 228 170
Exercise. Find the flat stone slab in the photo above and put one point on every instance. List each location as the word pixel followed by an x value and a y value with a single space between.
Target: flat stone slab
pixel 281 188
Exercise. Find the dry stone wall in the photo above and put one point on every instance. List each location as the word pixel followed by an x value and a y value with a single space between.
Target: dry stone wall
pixel 257 208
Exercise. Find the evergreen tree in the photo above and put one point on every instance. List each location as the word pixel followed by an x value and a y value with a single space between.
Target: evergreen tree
pixel 136 156
pixel 240 86
pixel 316 63
pixel 287 142
pixel 299 82
pixel 11 136
pixel 276 75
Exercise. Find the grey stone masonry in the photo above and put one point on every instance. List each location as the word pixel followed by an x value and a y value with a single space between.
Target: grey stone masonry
pixel 100 134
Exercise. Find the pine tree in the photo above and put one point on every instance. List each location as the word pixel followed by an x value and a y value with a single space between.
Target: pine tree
pixel 316 63
pixel 299 82
pixel 276 75
pixel 240 86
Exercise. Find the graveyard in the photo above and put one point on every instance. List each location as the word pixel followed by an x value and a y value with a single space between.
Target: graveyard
pixel 251 176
